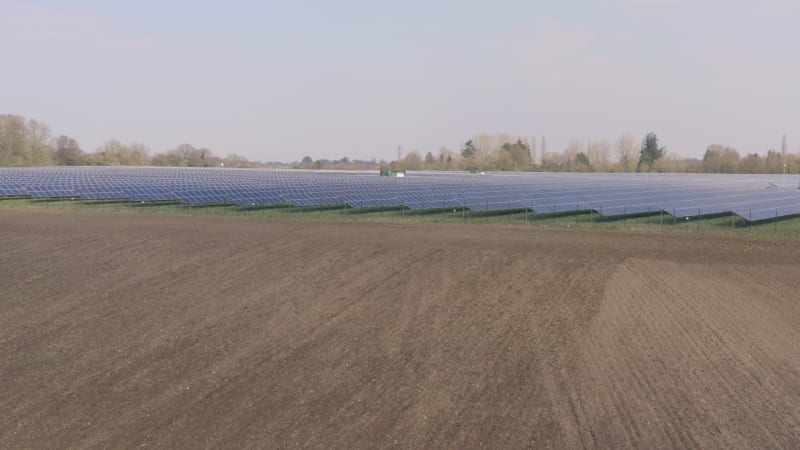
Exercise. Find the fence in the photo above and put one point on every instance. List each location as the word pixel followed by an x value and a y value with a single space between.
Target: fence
pixel 576 215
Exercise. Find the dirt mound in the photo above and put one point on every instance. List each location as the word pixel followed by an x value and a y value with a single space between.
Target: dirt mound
pixel 121 331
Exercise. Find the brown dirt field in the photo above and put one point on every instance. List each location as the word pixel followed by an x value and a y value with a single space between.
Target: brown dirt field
pixel 185 332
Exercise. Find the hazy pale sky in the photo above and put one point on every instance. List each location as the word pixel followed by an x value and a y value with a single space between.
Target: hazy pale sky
pixel 280 80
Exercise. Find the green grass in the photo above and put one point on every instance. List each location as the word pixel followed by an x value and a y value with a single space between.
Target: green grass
pixel 725 224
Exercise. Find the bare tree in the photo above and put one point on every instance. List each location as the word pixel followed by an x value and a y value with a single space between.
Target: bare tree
pixel 627 152
pixel 24 143
pixel 574 148
pixel 68 152
pixel 599 154
pixel 751 163
pixel 721 159
pixel 412 161
pixel 773 162
pixel 39 150
pixel 12 140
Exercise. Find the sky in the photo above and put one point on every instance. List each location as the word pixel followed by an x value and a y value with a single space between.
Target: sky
pixel 276 81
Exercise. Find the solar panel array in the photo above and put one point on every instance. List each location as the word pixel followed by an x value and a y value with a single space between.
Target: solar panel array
pixel 753 197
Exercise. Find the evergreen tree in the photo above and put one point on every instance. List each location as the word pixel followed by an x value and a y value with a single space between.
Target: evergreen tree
pixel 651 152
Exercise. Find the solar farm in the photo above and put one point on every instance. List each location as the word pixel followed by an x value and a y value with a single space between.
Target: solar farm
pixel 753 198
pixel 179 327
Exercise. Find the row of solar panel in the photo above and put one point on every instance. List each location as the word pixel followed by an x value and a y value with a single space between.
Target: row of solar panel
pixel 748 207
pixel 609 194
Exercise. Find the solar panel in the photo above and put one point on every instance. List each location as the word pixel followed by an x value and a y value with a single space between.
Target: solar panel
pixel 753 197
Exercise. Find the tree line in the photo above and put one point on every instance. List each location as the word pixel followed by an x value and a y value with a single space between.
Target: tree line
pixel 502 152
pixel 28 142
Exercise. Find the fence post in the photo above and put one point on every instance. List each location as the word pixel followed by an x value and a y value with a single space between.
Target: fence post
pixel 624 216
pixel 733 224
pixel 775 222
pixel 698 221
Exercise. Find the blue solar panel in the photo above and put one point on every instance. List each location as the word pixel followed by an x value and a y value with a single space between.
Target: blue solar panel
pixel 753 197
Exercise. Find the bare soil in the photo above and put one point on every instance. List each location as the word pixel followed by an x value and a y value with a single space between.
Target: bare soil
pixel 187 332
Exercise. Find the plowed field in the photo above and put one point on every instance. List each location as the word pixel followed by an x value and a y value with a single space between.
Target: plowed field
pixel 186 332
